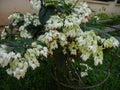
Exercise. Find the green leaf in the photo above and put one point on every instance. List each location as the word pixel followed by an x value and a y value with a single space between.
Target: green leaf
pixel 45 13
pixel 14 43
pixel 35 30
pixel 27 41
pixel 21 50
pixel 118 38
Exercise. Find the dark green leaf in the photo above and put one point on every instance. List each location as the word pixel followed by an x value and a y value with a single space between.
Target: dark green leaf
pixel 45 13
pixel 14 43
pixel 21 50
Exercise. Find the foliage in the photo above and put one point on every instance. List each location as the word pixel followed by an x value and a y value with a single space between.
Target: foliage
pixel 115 20
pixel 103 16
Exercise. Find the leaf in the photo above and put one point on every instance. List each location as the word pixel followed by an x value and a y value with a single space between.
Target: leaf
pixel 14 43
pixel 45 13
pixel 35 30
pixel 62 9
pixel 21 50
pixel 27 41
pixel 118 38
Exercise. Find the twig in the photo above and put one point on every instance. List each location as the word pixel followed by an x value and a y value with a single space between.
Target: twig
pixel 86 87
pixel 92 86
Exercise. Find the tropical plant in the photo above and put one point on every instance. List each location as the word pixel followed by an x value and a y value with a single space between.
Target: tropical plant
pixel 54 36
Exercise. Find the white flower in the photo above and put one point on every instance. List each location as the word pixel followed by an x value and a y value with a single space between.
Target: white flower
pixel 80 40
pixel 114 41
pixel 85 56
pixel 107 43
pixel 15 18
pixel 25 34
pixel 85 71
pixel 18 68
pixel 3 34
pixel 36 22
pixel 44 52
pixel 48 36
pixel 28 18
pixel 69 1
pixel 19 73
pixel 64 51
pixel 98 57
pixel 87 67
pixel 93 48
pixel 67 23
pixel 20 65
pixel 62 37
pixel 39 47
pixel 34 44
pixel 71 33
pixel 3 47
pixel 9 71
pixel 54 23
pixel 33 62
pixel 84 20
pixel 96 17
pixel 36 4
pixel 73 52
pixel 73 60
pixel 83 74
pixel 53 45
pixel 21 28
pixel 5 58
pixel 84 4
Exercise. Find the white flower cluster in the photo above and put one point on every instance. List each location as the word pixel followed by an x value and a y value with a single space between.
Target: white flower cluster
pixel 18 67
pixel 5 57
pixel 3 34
pixel 54 22
pixel 82 12
pixel 18 64
pixel 111 42
pixel 15 18
pixel 84 42
pixel 87 68
pixel 52 38
pixel 31 19
pixel 69 1
pixel 28 19
pixel 79 14
pixel 36 4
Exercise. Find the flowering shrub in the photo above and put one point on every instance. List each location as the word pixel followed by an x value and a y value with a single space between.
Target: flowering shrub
pixel 55 33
